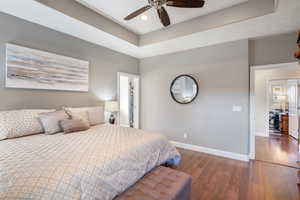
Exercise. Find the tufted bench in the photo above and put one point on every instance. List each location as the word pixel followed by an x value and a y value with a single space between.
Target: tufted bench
pixel 160 184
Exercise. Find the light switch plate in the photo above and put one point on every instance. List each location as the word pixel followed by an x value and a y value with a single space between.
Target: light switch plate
pixel 236 108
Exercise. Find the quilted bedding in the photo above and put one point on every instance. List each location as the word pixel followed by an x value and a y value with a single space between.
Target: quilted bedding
pixel 96 164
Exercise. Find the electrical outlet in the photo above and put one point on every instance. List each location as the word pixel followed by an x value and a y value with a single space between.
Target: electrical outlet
pixel 185 135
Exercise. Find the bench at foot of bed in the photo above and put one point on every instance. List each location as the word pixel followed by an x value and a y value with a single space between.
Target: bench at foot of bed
pixel 160 184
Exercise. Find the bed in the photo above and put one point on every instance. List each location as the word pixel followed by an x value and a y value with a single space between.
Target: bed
pixel 99 163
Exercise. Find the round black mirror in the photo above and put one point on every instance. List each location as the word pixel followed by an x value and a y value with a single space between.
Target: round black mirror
pixel 184 89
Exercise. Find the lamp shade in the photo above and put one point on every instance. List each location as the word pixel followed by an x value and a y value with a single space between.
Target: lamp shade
pixel 111 106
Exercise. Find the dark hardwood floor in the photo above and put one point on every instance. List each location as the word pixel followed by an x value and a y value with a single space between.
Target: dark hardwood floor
pixel 277 149
pixel 217 178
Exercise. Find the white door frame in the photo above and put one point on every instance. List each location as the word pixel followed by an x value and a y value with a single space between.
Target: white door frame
pixel 252 100
pixel 119 74
pixel 295 82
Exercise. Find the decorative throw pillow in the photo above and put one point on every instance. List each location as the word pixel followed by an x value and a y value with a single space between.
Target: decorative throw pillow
pixel 95 114
pixel 17 123
pixel 82 116
pixel 70 126
pixel 50 121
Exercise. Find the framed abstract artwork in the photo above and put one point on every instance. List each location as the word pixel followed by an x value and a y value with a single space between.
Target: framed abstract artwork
pixel 34 69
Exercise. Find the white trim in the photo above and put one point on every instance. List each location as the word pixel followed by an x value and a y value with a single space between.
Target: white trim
pixel 251 156
pixel 267 107
pixel 252 100
pixel 128 75
pixel 262 134
pixel 216 152
pixel 124 125
pixel 252 114
pixel 132 76
pixel 272 66
pixel 293 109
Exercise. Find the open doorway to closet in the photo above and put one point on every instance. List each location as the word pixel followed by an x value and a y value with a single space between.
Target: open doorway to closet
pixel 129 99
pixel 275 113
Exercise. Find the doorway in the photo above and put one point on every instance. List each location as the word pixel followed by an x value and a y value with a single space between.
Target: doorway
pixel 129 99
pixel 274 114
pixel 282 107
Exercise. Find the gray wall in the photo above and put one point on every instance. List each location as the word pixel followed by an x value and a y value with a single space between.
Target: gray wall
pixel 104 65
pixel 222 72
pixel 273 49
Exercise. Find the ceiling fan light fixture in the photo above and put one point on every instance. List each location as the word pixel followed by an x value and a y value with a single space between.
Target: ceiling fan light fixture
pixel 144 17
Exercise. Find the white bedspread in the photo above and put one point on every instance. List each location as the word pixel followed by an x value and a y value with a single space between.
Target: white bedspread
pixel 96 164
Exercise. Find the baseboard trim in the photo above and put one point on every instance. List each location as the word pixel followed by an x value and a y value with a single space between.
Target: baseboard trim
pixel 252 156
pixel 216 152
pixel 262 134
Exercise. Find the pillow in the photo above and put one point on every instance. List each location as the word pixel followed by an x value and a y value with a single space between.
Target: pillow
pixel 70 126
pixel 50 121
pixel 17 123
pixel 96 114
pixel 82 116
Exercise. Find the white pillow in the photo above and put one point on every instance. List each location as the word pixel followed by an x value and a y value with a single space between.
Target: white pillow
pixel 82 116
pixel 17 123
pixel 51 121
pixel 96 114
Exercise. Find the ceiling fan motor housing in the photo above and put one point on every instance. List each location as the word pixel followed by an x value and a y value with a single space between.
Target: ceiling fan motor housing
pixel 162 12
pixel 157 3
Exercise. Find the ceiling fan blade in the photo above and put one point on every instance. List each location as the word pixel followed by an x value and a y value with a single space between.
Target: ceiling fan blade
pixel 138 12
pixel 186 3
pixel 164 17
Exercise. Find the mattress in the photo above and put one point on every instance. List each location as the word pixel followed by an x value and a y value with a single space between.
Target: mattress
pixel 96 164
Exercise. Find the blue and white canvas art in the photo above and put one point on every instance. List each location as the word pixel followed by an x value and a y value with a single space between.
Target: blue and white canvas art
pixel 35 69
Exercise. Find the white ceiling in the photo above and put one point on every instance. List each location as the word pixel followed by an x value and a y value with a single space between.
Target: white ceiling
pixel 118 9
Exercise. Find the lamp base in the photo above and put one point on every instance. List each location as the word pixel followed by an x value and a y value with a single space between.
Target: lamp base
pixel 112 119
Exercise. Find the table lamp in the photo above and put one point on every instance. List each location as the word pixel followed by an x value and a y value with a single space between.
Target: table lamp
pixel 113 108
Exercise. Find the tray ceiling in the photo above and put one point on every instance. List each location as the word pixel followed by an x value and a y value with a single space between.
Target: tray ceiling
pixel 117 10
pixel 282 20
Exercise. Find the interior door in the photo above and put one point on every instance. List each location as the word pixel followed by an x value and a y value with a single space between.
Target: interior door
pixel 293 108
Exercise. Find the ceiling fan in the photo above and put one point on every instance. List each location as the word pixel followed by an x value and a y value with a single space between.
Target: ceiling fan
pixel 161 11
